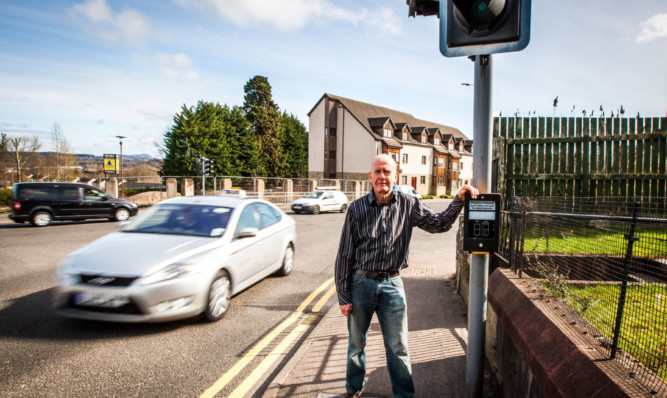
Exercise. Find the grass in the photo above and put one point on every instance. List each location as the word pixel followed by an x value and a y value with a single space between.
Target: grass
pixel 644 325
pixel 652 241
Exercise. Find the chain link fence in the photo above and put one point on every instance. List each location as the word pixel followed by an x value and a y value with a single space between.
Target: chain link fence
pixel 606 258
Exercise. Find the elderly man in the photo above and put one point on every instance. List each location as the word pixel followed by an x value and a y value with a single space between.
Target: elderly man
pixel 373 249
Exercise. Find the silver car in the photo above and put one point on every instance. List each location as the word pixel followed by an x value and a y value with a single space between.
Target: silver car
pixel 180 258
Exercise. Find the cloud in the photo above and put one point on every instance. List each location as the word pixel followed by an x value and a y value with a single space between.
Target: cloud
pixel 179 66
pixel 290 15
pixel 653 28
pixel 97 18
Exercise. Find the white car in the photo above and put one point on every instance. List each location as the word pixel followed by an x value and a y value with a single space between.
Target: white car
pixel 407 189
pixel 180 258
pixel 321 200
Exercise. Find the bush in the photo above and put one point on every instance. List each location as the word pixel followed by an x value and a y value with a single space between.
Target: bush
pixel 5 197
pixel 427 196
pixel 447 196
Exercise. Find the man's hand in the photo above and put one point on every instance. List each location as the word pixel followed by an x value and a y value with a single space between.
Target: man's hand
pixel 467 188
pixel 346 309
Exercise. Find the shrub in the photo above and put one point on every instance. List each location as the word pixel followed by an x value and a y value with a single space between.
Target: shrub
pixel 5 197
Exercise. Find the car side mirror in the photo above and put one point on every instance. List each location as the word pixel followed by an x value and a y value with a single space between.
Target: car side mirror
pixel 247 233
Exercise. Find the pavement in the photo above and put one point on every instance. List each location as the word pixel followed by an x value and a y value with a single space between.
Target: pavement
pixel 438 336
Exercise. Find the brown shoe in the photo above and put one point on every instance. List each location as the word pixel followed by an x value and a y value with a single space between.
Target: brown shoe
pixel 354 394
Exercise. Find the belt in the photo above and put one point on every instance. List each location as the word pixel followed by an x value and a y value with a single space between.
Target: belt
pixel 377 275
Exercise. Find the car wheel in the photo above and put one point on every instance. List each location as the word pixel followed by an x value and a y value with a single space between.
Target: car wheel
pixel 297 212
pixel 343 208
pixel 41 219
pixel 121 214
pixel 288 262
pixel 219 296
pixel 315 210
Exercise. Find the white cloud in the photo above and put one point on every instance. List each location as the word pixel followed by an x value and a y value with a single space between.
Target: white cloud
pixel 179 66
pixel 653 28
pixel 289 15
pixel 128 25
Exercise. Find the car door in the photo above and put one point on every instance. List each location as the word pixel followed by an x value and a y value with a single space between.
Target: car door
pixel 328 202
pixel 96 203
pixel 271 233
pixel 70 202
pixel 246 252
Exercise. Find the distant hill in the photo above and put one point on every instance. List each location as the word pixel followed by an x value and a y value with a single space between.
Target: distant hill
pixel 89 157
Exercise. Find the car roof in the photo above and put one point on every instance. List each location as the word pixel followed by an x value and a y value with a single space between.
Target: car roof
pixel 226 201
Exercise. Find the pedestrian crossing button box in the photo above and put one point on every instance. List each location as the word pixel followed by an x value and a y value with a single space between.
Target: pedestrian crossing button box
pixel 481 223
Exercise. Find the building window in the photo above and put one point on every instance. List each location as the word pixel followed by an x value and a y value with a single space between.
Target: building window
pixel 423 159
pixel 423 180
pixel 405 136
pixel 326 131
pixel 450 146
pixel 325 154
pixel 332 131
pixel 455 166
pixel 423 139
pixel 387 133
pixel 404 180
pixel 332 155
pixel 436 141
pixel 461 165
pixel 394 155
pixel 405 158
pixel 441 161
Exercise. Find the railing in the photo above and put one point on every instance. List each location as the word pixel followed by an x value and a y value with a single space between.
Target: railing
pixel 606 258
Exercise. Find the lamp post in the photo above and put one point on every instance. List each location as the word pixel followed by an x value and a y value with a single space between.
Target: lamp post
pixel 121 193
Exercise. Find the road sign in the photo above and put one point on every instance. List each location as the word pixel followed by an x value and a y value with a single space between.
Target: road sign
pixel 110 164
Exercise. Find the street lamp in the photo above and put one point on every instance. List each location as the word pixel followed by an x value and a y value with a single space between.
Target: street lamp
pixel 122 193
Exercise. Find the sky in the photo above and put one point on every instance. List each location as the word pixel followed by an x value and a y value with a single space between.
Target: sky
pixel 99 69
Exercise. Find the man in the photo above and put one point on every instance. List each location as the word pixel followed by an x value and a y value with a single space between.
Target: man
pixel 373 249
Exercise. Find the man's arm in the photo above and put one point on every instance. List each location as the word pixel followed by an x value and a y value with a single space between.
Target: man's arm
pixel 345 260
pixel 429 221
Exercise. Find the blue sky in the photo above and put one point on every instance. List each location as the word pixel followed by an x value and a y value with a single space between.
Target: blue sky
pixel 120 67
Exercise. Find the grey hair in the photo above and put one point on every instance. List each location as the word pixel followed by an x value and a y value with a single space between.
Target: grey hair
pixel 385 156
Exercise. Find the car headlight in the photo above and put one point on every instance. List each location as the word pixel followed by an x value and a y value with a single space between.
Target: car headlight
pixel 65 272
pixel 172 271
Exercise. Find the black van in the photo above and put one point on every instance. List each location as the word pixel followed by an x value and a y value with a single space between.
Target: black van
pixel 42 202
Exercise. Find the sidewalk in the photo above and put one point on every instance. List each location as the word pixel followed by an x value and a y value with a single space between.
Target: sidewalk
pixel 437 338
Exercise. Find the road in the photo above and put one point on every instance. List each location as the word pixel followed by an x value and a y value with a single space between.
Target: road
pixel 45 355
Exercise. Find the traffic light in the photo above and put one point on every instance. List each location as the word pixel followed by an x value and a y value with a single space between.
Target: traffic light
pixel 478 27
pixel 207 166
pixel 196 164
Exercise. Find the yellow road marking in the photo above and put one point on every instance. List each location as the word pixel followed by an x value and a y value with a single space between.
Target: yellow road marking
pixel 324 299
pixel 262 344
pixel 264 366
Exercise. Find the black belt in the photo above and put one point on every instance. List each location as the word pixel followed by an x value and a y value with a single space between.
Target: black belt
pixel 377 275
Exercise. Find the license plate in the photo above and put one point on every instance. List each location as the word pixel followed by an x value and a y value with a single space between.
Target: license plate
pixel 296 207
pixel 100 300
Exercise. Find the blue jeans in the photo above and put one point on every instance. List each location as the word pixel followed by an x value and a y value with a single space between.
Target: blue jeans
pixel 387 299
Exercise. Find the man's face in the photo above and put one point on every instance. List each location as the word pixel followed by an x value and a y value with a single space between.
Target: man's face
pixel 383 176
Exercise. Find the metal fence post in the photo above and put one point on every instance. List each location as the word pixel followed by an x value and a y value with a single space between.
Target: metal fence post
pixel 631 238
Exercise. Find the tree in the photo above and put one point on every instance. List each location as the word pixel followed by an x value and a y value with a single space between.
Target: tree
pixel 213 131
pixel 294 144
pixel 264 118
pixel 22 148
pixel 4 154
pixel 62 159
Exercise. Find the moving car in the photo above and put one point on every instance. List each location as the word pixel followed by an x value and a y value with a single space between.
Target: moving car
pixel 180 258
pixel 407 189
pixel 322 199
pixel 42 202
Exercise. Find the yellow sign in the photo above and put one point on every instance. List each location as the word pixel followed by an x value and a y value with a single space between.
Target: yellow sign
pixel 110 164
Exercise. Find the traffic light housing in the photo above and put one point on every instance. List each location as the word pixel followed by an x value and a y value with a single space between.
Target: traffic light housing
pixel 196 164
pixel 207 166
pixel 479 27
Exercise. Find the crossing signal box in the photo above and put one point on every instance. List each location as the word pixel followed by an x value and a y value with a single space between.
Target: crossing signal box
pixel 481 223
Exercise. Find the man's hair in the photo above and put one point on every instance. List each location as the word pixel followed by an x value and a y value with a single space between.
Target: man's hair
pixel 385 156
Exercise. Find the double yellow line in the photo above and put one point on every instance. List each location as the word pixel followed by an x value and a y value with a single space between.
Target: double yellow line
pixel 281 349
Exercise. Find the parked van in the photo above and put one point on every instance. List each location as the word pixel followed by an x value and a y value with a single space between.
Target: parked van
pixel 321 199
pixel 42 202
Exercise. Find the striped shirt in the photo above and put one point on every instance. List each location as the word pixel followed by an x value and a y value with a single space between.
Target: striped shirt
pixel 376 236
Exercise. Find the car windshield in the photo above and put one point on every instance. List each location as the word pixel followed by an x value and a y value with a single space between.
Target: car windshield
pixel 182 219
pixel 313 195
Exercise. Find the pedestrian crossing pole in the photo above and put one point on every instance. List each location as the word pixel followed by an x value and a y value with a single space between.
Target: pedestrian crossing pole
pixel 479 263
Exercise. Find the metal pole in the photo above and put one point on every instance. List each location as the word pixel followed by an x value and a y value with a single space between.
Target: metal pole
pixel 479 263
